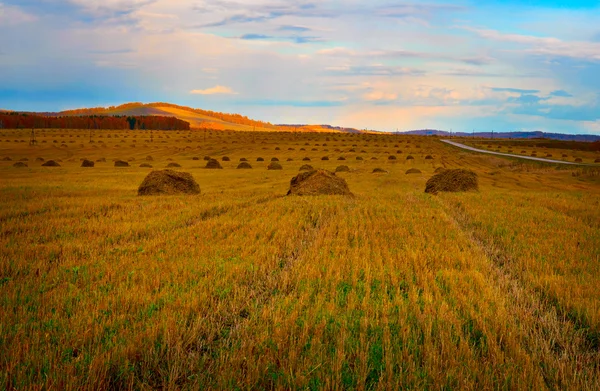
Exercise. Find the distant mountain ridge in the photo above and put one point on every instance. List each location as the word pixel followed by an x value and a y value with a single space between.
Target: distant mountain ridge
pixel 506 135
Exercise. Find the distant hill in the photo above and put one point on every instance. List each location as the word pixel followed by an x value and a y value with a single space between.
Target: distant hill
pixel 198 118
pixel 506 135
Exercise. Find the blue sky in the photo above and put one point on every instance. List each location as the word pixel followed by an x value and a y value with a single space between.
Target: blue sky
pixel 385 65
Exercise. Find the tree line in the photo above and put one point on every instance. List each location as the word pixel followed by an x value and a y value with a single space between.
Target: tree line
pixel 13 120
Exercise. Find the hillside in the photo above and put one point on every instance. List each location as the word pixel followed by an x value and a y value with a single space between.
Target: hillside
pixel 506 135
pixel 198 118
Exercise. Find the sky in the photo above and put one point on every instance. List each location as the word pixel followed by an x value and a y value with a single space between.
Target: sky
pixel 502 65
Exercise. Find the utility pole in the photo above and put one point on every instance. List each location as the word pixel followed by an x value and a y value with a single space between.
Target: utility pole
pixel 32 140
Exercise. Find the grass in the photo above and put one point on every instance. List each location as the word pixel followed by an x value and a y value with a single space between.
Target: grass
pixel 243 288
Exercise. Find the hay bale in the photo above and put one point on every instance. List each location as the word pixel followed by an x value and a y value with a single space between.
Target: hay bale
pixel 413 171
pixel 243 159
pixel 244 165
pixel 146 165
pixel 173 165
pixel 452 181
pixel 379 171
pixel 121 163
pixel 409 157
pixel 341 158
pixel 101 160
pixel 318 182
pixel 428 157
pixel 289 159
pixel 274 159
pixel 359 158
pixel 195 158
pixel 342 169
pixel 20 164
pixel 167 182
pixel 306 167
pixel 213 164
pixel 565 155
pixel 260 159
pixel 392 157
pixel 51 163
pixel 325 158
pixel 306 159
pixel 206 158
pixel 87 163
pixel 274 166
pixel 6 159
pixel 578 160
pixel 226 159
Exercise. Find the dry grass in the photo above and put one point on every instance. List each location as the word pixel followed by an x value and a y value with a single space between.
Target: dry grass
pixel 245 289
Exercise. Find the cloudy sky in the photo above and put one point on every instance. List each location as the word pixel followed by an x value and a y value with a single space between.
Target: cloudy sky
pixel 379 64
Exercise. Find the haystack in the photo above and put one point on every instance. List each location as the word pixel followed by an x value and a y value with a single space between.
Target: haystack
pixel 392 157
pixel 452 181
pixel 173 164
pixel 306 159
pixel 226 158
pixel 341 158
pixel 379 171
pixel 146 165
pixel 342 169
pixel 413 171
pixel 274 159
pixel 274 166
pixel 244 165
pixel 289 159
pixel 20 164
pixel 51 163
pixel 243 159
pixel 428 157
pixel 121 163
pixel 578 160
pixel 409 157
pixel 325 158
pixel 6 159
pixel 260 159
pixel 39 159
pixel 306 167
pixel 195 158
pixel 87 163
pixel 318 182
pixel 359 158
pixel 168 182
pixel 213 163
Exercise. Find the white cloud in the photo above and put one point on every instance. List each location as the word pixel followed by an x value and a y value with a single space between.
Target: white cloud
pixel 11 15
pixel 214 91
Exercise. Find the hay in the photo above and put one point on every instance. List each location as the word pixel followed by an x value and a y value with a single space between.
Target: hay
pixel 325 158
pixel 260 159
pixel 274 166
pixel 243 159
pixel 51 163
pixel 214 164
pixel 341 158
pixel 439 169
pixel 226 159
pixel 20 164
pixel 168 182
pixel 452 181
pixel 39 159
pixel 409 157
pixel 244 165
pixel 428 157
pixel 146 165
pixel 342 169
pixel 306 159
pixel 413 171
pixel 206 158
pixel 101 160
pixel 289 159
pixel 87 163
pixel 359 158
pixel 318 182
pixel 578 160
pixel 6 159
pixel 306 167
pixel 379 171
pixel 173 165
pixel 195 158
pixel 392 157
pixel 121 163
pixel 274 159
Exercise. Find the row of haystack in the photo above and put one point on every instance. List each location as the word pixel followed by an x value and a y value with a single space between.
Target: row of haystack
pixel 311 182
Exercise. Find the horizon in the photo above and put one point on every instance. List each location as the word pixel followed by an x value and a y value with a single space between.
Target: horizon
pixel 447 65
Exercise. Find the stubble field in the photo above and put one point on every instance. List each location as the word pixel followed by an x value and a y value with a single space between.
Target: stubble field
pixel 242 287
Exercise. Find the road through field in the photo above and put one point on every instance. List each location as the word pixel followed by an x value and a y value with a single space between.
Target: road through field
pixel 539 159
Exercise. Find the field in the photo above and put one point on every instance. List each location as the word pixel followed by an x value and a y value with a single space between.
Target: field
pixel 242 287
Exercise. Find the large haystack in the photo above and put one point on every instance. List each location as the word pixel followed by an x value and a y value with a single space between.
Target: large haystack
pixel 51 163
pixel 167 182
pixel 318 182
pixel 87 163
pixel 173 164
pixel 244 165
pixel 213 163
pixel 452 181
pixel 274 166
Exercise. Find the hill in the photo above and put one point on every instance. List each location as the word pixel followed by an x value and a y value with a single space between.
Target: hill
pixel 506 135
pixel 198 118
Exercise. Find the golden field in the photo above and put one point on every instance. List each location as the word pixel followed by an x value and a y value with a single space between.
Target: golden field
pixel 242 287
